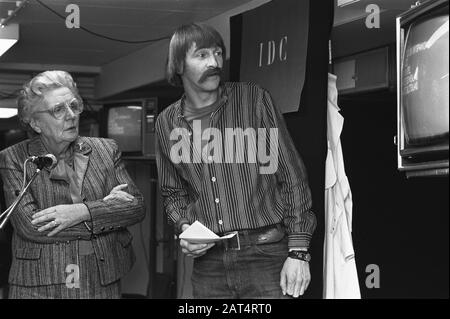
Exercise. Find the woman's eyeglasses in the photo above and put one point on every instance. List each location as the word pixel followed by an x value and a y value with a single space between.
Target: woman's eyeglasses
pixel 59 111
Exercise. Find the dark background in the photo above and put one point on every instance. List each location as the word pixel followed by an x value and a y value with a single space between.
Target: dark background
pixel 399 224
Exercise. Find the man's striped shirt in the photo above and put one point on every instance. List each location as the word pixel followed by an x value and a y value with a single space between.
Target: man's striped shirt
pixel 233 195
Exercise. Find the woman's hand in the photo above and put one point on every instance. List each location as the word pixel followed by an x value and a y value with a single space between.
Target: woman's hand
pixel 118 193
pixel 60 217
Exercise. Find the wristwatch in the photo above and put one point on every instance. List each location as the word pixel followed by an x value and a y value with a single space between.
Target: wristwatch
pixel 300 254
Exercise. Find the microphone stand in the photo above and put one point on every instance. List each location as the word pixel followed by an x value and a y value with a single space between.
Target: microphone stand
pixel 13 206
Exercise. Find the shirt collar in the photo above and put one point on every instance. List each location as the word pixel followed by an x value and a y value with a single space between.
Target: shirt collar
pixel 223 96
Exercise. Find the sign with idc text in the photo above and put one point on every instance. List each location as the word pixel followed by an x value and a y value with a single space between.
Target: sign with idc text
pixel 273 50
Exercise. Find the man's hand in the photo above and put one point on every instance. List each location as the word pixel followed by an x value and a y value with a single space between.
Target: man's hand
pixel 60 217
pixel 193 250
pixel 295 277
pixel 118 193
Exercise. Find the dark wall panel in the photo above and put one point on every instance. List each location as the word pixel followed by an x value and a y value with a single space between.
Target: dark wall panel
pixel 400 225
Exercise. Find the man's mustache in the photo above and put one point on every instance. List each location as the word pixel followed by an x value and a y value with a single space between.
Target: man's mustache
pixel 210 72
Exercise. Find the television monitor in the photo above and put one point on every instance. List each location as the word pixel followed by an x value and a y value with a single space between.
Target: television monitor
pixel 131 123
pixel 423 88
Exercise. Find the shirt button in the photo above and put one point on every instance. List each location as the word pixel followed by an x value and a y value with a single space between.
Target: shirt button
pixel 213 179
pixel 220 222
pixel 217 200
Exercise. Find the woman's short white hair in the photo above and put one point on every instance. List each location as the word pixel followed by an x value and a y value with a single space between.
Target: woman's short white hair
pixel 33 92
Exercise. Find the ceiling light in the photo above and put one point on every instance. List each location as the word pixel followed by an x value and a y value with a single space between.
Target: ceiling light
pixel 6 113
pixel 343 3
pixel 8 37
pixel 12 13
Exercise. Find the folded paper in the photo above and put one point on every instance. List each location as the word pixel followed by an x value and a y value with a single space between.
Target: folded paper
pixel 198 233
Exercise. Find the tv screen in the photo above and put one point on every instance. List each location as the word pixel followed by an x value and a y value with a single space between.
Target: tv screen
pixel 124 126
pixel 424 85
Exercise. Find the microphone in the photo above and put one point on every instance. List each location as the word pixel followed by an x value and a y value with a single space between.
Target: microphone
pixel 48 161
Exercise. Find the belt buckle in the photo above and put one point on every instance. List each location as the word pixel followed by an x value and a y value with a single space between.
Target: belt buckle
pixel 236 237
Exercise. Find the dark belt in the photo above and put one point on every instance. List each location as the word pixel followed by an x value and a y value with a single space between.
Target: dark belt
pixel 249 237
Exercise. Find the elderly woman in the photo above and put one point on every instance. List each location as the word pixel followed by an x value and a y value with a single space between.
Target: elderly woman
pixel 70 238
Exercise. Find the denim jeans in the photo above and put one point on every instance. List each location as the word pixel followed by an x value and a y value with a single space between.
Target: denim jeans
pixel 252 272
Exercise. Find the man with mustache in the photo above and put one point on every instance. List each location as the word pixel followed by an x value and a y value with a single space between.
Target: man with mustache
pixel 270 213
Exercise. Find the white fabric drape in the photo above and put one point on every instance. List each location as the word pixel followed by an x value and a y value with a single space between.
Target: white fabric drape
pixel 340 274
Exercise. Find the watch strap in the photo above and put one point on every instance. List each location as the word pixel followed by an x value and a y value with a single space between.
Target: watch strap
pixel 300 254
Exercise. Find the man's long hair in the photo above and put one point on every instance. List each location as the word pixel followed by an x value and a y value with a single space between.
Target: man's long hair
pixel 203 35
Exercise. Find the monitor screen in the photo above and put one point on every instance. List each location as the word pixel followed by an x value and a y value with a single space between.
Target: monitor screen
pixel 124 126
pixel 424 81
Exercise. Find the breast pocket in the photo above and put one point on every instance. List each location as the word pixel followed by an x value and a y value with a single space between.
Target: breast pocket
pixel 28 253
